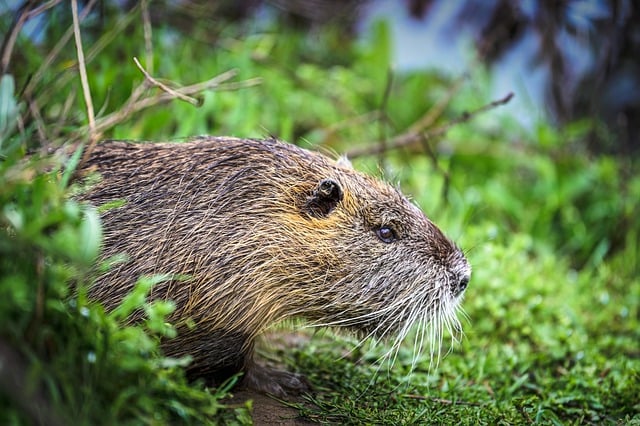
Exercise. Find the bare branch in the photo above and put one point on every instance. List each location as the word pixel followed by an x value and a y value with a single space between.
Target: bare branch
pixel 146 26
pixel 43 8
pixel 53 54
pixel 10 40
pixel 436 111
pixel 135 103
pixel 164 87
pixel 412 137
pixel 83 72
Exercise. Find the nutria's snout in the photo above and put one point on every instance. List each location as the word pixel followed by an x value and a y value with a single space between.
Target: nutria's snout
pixel 462 276
pixel 463 283
pixel 460 282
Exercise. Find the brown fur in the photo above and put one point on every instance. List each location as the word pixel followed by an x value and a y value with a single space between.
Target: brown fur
pixel 264 231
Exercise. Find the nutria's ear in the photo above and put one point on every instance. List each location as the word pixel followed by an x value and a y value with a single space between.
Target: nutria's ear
pixel 324 198
pixel 343 161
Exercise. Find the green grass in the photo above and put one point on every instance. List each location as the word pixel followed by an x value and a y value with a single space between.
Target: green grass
pixel 553 309
pixel 543 344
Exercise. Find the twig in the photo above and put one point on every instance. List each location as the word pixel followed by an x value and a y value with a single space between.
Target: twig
pixel 34 109
pixel 133 104
pixel 436 111
pixel 164 87
pixel 10 41
pixel 409 138
pixel 83 72
pixel 384 117
pixel 146 27
pixel 53 54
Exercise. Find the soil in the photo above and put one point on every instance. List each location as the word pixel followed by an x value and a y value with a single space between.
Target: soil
pixel 270 411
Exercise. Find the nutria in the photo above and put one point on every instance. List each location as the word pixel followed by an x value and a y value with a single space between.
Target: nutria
pixel 258 231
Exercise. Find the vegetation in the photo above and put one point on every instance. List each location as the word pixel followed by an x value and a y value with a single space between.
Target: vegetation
pixel 553 309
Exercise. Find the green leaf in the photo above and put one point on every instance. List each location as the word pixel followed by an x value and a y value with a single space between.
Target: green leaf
pixel 8 109
pixel 71 165
pixel 90 235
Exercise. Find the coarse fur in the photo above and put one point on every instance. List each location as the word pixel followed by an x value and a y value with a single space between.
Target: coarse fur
pixel 260 231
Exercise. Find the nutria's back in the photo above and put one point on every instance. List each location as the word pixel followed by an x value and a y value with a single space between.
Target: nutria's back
pixel 259 231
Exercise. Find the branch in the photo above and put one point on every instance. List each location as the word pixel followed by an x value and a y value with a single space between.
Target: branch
pixel 164 87
pixel 146 26
pixel 135 103
pixel 86 91
pixel 436 111
pixel 412 137
pixel 25 14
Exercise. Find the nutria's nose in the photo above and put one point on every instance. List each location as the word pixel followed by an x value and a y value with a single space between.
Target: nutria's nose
pixel 461 285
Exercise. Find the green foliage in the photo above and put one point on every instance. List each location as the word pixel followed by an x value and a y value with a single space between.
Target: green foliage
pixel 88 366
pixel 578 205
pixel 8 109
pixel 551 231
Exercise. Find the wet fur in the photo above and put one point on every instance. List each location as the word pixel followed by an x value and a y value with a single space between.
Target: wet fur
pixel 261 238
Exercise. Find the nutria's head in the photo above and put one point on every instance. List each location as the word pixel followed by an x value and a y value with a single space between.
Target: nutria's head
pixel 379 264
pixel 266 231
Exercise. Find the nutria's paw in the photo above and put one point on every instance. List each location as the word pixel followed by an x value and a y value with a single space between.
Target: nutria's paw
pixel 275 382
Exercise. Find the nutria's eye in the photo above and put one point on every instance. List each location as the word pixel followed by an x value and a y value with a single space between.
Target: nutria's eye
pixel 386 234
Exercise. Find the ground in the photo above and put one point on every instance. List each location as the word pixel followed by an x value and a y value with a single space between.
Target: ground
pixel 269 411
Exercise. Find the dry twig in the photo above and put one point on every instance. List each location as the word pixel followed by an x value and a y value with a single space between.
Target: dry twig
pixel 164 87
pixel 383 121
pixel 135 104
pixel 436 111
pixel 86 91
pixel 412 137
pixel 146 27
pixel 25 14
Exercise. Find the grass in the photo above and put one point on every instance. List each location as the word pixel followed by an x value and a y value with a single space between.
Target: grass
pixel 551 230
pixel 544 344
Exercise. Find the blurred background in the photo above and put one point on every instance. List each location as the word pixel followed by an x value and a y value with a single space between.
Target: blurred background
pixel 564 60
pixel 514 126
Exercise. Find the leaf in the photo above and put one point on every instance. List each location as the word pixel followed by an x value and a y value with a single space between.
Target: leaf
pixel 137 297
pixel 8 108
pixel 71 166
pixel 90 235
